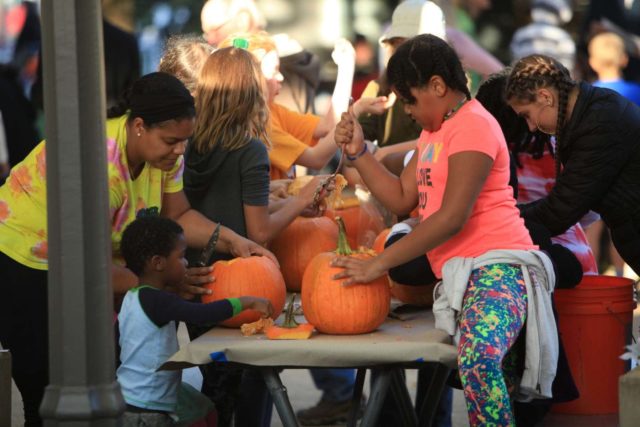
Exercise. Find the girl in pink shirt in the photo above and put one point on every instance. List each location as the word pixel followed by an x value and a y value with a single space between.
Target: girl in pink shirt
pixel 459 180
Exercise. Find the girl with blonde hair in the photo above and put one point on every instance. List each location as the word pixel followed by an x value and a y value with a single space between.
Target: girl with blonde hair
pixel 303 139
pixel 227 163
pixel 227 177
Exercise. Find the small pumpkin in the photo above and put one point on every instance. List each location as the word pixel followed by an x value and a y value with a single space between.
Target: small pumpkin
pixel 290 329
pixel 378 244
pixel 253 276
pixel 299 242
pixel 342 310
pixel 415 295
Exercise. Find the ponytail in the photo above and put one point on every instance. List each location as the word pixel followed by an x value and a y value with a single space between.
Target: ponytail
pixel 122 105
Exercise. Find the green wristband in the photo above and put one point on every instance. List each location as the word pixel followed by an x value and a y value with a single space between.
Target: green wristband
pixel 236 305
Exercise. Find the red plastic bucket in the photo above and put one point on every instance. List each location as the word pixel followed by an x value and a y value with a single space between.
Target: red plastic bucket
pixel 595 320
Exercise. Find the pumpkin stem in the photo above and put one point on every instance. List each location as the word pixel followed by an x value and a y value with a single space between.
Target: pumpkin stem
pixel 289 318
pixel 343 244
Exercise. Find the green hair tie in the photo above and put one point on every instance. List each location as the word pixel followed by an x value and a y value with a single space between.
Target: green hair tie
pixel 241 43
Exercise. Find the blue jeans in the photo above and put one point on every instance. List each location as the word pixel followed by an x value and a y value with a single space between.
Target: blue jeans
pixel 336 384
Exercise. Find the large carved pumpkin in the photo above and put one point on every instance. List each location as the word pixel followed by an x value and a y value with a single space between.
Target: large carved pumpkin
pixel 253 276
pixel 342 310
pixel 297 244
pixel 415 295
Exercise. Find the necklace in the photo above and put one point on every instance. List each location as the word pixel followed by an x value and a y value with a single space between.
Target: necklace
pixel 455 109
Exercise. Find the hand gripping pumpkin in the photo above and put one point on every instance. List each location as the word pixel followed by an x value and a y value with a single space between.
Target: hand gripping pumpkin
pixel 415 295
pixel 342 310
pixel 253 276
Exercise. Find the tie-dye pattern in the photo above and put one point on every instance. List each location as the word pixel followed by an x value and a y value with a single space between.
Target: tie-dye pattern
pixel 493 313
pixel 536 178
pixel 23 198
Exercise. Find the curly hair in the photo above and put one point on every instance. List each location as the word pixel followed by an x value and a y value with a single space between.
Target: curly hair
pixel 184 57
pixel 420 58
pixel 146 237
pixel 534 72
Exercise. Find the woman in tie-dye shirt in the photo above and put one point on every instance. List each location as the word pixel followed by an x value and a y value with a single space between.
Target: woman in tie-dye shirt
pixel 146 138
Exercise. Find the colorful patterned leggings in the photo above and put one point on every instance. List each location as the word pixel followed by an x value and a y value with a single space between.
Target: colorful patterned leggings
pixel 493 312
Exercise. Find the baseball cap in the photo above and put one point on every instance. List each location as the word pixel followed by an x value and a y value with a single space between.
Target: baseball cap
pixel 414 17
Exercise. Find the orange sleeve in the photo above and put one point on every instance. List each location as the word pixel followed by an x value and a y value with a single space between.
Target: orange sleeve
pixel 285 150
pixel 300 126
pixel 290 134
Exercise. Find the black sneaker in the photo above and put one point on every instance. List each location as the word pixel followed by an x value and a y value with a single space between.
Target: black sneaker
pixel 326 412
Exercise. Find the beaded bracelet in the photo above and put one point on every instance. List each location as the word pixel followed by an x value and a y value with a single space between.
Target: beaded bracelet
pixel 360 154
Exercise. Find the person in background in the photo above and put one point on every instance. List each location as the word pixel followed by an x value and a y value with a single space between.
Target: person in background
pixel 154 249
pixel 608 58
pixel 121 61
pixel 18 116
pixel 184 57
pixel 366 65
pixel 544 35
pixel 466 14
pixel 122 68
pixel 622 17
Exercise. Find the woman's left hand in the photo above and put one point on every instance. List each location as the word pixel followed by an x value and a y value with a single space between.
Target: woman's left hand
pixel 241 247
pixel 278 188
pixel 313 211
pixel 357 270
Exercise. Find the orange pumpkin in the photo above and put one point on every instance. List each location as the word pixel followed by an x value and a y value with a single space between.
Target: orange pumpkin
pixel 297 244
pixel 378 244
pixel 415 295
pixel 362 226
pixel 342 310
pixel 290 329
pixel 253 276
